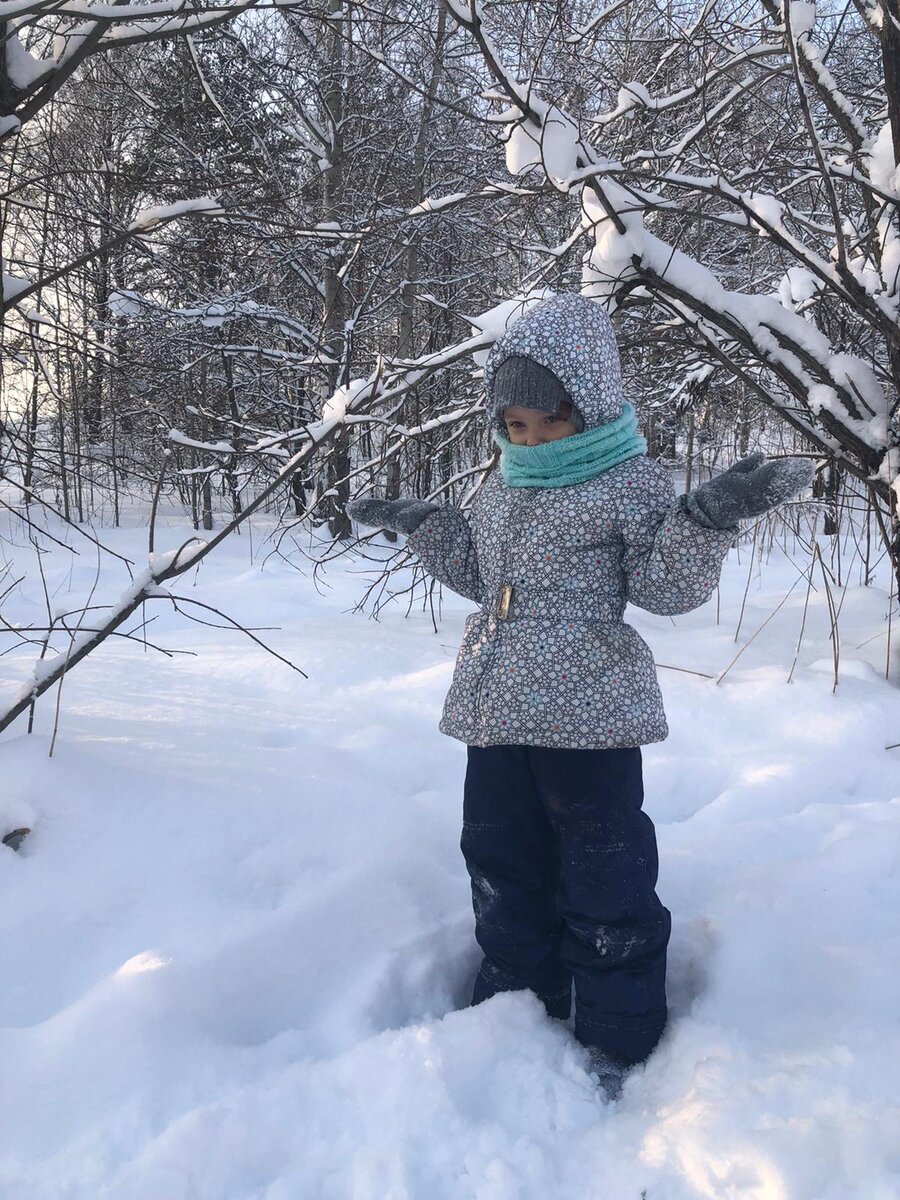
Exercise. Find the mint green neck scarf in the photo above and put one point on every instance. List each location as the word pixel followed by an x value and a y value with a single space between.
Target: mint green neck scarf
pixel 573 459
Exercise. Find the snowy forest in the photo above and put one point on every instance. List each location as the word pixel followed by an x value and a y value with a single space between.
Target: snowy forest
pixel 254 259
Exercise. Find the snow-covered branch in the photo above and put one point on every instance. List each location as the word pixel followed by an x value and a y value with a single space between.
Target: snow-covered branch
pixel 28 81
pixel 794 363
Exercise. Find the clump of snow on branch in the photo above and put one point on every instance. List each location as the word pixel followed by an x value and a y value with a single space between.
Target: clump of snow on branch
pixel 496 320
pixel 342 400
pixel 802 17
pixel 768 208
pixel 798 286
pixel 553 145
pixel 22 68
pixel 159 214
pixel 631 95
pixel 885 174
pixel 124 303
pixel 12 285
pixel 222 447
pixel 436 203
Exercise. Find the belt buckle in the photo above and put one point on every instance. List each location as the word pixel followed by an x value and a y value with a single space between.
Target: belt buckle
pixel 504 599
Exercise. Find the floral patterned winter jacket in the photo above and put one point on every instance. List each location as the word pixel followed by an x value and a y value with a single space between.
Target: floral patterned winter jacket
pixel 553 663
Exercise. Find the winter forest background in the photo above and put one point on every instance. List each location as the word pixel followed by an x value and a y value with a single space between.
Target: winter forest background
pixel 254 256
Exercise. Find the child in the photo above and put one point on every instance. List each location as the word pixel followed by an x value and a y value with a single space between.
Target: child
pixel 553 693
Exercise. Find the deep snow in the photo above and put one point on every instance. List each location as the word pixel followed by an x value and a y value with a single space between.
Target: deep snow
pixel 237 945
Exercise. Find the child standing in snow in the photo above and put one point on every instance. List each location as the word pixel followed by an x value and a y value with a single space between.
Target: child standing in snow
pixel 553 693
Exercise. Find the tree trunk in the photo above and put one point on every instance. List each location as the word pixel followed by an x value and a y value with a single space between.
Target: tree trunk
pixel 334 317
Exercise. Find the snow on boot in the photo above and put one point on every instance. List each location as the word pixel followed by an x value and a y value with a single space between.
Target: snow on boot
pixel 609 1071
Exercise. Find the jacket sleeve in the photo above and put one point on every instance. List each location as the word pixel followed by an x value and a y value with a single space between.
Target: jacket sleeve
pixel 672 564
pixel 444 543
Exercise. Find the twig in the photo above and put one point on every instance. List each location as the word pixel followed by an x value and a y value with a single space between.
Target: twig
pixel 155 504
pixel 803 622
pixel 747 584
pixel 759 631
pixel 35 499
pixel 62 676
pixel 50 618
pixel 235 624
pixel 887 655
pixel 39 528
pixel 685 670
pixel 833 632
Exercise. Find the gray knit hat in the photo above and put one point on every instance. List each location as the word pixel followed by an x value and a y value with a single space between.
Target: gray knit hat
pixel 521 381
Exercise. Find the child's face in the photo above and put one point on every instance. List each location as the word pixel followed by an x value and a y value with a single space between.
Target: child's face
pixel 533 426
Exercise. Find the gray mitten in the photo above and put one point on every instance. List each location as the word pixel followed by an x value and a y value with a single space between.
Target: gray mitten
pixel 749 488
pixel 401 516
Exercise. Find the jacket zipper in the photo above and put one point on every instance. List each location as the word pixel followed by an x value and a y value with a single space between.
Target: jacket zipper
pixel 513 527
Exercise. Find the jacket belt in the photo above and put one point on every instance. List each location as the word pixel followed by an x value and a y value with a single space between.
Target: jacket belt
pixel 512 601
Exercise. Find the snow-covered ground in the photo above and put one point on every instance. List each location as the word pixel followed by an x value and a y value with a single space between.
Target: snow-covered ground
pixel 236 948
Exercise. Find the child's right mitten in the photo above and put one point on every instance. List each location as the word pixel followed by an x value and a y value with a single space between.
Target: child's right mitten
pixel 400 516
pixel 749 488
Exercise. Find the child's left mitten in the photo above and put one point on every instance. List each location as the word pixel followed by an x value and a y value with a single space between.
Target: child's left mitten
pixel 749 488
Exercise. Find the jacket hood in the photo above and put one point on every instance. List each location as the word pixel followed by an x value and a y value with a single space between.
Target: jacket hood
pixel 572 337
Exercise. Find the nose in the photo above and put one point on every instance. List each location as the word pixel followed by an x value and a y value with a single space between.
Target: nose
pixel 535 439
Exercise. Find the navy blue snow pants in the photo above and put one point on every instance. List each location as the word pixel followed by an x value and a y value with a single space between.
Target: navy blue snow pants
pixel 563 864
